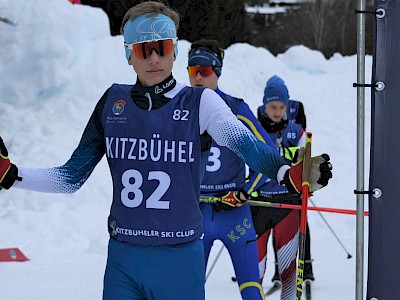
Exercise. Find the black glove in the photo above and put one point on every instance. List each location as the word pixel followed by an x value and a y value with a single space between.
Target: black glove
pixel 285 198
pixel 8 171
pixel 320 172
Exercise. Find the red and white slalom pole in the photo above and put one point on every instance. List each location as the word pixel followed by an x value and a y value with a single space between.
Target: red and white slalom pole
pixel 303 217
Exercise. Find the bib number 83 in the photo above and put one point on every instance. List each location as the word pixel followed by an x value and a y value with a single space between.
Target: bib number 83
pixel 132 195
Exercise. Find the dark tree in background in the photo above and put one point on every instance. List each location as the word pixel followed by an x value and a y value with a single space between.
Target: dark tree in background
pixel 115 10
pixel 328 26
pixel 222 20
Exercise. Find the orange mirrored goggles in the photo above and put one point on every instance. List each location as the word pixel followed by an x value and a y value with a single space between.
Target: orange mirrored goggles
pixel 204 71
pixel 143 50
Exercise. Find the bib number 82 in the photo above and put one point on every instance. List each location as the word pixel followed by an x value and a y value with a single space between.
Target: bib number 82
pixel 132 195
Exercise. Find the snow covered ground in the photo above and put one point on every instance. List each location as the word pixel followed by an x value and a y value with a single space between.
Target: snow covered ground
pixel 56 64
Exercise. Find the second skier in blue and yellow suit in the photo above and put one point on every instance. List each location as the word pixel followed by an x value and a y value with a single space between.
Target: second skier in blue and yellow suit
pixel 226 216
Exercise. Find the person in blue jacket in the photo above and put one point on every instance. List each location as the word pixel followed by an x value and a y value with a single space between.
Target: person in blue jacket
pixel 284 223
pixel 229 218
pixel 294 114
pixel 154 135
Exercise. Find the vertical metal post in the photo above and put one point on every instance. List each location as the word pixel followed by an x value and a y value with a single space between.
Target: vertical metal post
pixel 360 150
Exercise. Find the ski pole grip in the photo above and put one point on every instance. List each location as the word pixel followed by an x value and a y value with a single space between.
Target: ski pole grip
pixel 307 160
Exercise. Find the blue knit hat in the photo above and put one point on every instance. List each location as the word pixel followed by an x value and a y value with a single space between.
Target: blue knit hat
pixel 276 90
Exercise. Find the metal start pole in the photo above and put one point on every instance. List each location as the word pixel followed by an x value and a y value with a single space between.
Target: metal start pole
pixel 361 5
pixel 215 261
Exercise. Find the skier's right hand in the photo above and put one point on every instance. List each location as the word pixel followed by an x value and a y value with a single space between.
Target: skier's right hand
pixel 320 172
pixel 8 171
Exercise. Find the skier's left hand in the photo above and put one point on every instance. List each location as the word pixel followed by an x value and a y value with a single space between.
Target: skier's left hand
pixel 230 200
pixel 8 171
pixel 320 172
pixel 233 199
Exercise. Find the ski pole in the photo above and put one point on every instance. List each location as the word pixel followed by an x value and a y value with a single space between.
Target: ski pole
pixel 215 261
pixel 298 207
pixel 8 21
pixel 330 228
pixel 303 218
pixel 290 206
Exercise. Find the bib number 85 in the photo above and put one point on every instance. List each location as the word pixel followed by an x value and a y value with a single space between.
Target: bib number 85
pixel 132 195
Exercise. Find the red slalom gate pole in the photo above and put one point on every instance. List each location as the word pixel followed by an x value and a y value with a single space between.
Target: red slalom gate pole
pixel 303 218
pixel 298 207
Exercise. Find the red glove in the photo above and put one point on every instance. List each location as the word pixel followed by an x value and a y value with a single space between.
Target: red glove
pixel 5 164
pixel 232 199
pixel 8 171
pixel 320 173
